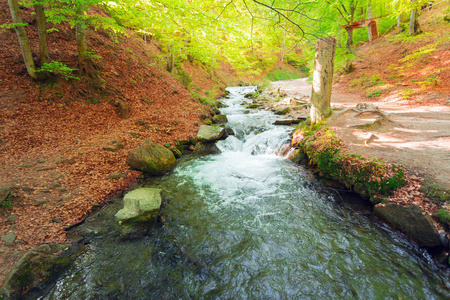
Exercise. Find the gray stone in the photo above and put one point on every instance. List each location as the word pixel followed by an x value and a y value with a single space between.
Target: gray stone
pixel 40 201
pixel 45 168
pixel 411 221
pixel 253 106
pixel 9 238
pixel 115 176
pixel 284 122
pixel 27 166
pixel 210 133
pixel 140 206
pixel 12 218
pixel 207 148
pixel 283 111
pixel 151 158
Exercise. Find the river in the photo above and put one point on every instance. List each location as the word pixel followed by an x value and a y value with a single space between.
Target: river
pixel 249 224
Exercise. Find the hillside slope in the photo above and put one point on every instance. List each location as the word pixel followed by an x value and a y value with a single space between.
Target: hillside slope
pixel 53 135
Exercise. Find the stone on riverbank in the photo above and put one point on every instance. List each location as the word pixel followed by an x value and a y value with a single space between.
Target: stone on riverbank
pixel 211 133
pixel 220 119
pixel 411 221
pixel 151 158
pixel 205 149
pixel 34 271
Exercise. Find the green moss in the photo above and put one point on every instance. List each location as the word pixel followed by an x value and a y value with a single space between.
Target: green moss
pixel 325 152
pixel 443 215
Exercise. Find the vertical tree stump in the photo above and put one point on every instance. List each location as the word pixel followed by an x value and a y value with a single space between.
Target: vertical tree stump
pixel 323 79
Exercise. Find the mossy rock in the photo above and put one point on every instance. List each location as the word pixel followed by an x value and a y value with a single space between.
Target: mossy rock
pixel 220 119
pixel 211 133
pixel 283 111
pixel 151 158
pixel 34 271
pixel 207 121
pixel 410 220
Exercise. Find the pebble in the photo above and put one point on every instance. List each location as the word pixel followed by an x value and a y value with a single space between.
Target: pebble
pixel 9 239
pixel 40 201
pixel 12 218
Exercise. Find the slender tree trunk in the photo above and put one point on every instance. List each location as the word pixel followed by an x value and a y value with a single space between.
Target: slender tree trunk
pixel 81 37
pixel 350 30
pixel 42 33
pixel 170 59
pixel 23 38
pixel 399 21
pixel 414 27
pixel 339 30
pixel 212 65
pixel 284 42
pixel 349 38
pixel 323 79
pixel 369 28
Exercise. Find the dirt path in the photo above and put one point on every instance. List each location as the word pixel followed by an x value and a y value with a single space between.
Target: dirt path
pixel 417 137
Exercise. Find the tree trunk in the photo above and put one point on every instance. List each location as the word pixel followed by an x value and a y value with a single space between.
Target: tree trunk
pixel 399 21
pixel 42 33
pixel 349 38
pixel 414 27
pixel 81 37
pixel 170 59
pixel 23 38
pixel 339 30
pixel 323 79
pixel 350 30
pixel 284 42
pixel 369 28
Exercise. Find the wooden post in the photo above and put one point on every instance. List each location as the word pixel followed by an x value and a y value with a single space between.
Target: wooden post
pixel 323 79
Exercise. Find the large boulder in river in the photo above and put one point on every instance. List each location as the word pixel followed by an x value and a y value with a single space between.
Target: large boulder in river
pixel 151 158
pixel 139 206
pixel 210 133
pixel 411 221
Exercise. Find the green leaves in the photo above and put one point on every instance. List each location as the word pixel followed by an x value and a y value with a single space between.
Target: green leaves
pixel 58 68
pixel 12 25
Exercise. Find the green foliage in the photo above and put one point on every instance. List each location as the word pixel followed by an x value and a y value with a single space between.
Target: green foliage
pixel 416 55
pixel 373 94
pixel 12 25
pixel 283 74
pixel 184 77
pixel 8 201
pixel 58 68
pixel 443 215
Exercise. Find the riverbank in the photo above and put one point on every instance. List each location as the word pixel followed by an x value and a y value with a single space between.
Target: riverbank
pixel 414 138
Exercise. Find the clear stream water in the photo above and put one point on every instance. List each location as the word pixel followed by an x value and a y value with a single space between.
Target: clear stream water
pixel 249 224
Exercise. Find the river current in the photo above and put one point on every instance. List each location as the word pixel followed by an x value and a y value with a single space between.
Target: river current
pixel 249 224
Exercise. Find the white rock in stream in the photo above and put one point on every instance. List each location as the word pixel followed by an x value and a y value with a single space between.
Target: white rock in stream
pixel 140 205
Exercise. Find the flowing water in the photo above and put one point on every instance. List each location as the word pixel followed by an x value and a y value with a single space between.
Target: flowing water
pixel 249 224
